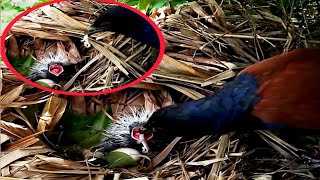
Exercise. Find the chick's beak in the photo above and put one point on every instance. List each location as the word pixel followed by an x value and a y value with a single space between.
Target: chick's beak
pixel 56 69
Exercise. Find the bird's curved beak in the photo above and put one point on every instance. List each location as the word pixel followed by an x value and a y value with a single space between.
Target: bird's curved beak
pixel 92 29
pixel 56 69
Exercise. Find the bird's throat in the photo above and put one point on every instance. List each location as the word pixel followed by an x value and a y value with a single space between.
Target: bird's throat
pixel 56 69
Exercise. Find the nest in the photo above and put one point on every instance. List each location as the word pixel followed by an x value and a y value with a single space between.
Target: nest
pixel 112 61
pixel 208 42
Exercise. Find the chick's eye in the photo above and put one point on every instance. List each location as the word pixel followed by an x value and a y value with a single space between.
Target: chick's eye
pixel 143 129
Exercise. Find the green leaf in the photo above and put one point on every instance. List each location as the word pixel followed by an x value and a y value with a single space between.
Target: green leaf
pixel 3 25
pixel 24 4
pixel 143 5
pixel 40 2
pixel 159 4
pixel 6 5
pixel 83 130
pixel 120 159
pixel 147 6
pixel 8 14
pixel 22 65
pixel 98 131
pixel 10 9
pixel 43 84
pixel 130 2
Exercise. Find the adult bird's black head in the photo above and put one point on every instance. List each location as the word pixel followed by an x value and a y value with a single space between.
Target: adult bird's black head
pixel 126 22
pixel 175 120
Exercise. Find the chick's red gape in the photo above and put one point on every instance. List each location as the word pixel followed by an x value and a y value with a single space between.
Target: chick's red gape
pixel 136 132
pixel 56 69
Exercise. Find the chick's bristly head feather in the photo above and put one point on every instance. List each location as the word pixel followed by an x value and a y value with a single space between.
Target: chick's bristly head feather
pixel 120 134
pixel 54 66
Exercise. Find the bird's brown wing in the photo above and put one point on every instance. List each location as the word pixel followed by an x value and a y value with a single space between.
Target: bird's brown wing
pixel 290 88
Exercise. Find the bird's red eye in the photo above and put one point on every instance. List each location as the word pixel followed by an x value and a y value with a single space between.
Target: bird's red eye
pixel 56 69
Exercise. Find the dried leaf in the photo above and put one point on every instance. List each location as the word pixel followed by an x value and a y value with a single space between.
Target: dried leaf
pixel 78 104
pixel 51 114
pixel 161 156
pixel 62 18
pixel 14 130
pixel 11 96
pixel 17 154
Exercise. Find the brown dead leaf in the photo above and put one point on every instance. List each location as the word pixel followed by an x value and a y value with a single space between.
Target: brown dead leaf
pixel 4 138
pixel 222 148
pixel 150 101
pixel 166 99
pixel 23 142
pixel 10 97
pixel 161 156
pixel 17 154
pixel 60 162
pixel 39 34
pixel 12 46
pixel 62 18
pixel 1 81
pixel 51 114
pixel 39 48
pixel 217 12
pixel 65 7
pixel 14 130
pixel 78 104
pixel 73 54
pixel 219 77
pixel 184 67
pixel 118 100
pixel 147 86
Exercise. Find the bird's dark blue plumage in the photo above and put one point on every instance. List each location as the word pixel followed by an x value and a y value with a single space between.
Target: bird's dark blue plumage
pixel 124 21
pixel 277 93
pixel 215 113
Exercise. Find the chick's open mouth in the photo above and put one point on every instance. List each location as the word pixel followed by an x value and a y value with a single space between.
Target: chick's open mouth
pixel 56 69
pixel 141 137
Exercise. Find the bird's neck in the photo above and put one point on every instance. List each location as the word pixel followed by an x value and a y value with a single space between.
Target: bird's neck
pixel 216 113
pixel 226 109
